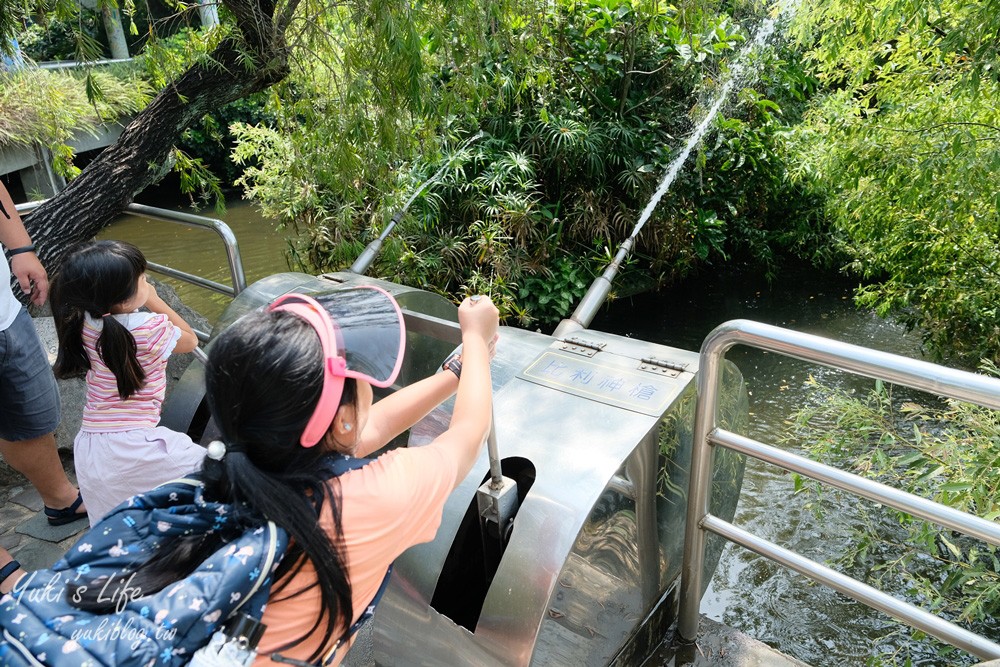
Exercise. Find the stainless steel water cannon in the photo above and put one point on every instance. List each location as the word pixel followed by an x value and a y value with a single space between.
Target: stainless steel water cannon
pixel 566 548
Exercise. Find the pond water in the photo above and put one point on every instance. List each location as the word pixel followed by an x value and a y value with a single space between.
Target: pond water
pixel 807 621
pixel 200 251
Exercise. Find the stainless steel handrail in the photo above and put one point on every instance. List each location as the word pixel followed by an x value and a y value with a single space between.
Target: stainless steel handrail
pixel 928 377
pixel 72 64
pixel 233 257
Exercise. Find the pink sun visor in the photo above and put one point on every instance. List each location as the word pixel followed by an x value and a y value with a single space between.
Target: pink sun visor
pixel 363 336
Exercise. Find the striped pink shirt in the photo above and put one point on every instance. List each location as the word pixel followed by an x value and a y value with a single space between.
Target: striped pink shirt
pixel 104 410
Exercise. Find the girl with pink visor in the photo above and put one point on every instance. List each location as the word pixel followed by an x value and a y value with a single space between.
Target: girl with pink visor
pixel 290 389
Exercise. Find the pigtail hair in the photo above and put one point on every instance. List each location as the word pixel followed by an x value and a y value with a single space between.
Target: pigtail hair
pixel 71 359
pixel 94 278
pixel 117 348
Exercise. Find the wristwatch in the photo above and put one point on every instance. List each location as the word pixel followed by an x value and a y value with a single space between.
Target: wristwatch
pixel 453 363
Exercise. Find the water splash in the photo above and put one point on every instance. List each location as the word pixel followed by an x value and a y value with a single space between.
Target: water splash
pixel 737 73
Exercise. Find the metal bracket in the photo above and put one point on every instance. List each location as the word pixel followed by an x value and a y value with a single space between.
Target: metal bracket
pixel 662 367
pixel 497 504
pixel 584 348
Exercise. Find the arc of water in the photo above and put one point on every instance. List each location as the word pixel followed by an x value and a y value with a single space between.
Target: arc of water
pixel 601 287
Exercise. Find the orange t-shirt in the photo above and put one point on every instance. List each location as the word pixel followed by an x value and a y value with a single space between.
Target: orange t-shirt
pixel 388 506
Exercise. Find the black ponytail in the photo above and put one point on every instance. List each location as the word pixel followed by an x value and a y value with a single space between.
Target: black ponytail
pixel 264 378
pixel 94 278
pixel 71 359
pixel 116 346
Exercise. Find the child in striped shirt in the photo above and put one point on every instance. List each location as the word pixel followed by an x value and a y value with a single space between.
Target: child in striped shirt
pixel 120 450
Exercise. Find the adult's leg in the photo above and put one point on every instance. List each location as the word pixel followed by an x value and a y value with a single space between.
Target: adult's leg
pixel 29 413
pixel 38 460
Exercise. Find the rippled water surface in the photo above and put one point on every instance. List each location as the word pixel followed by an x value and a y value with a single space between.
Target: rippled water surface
pixel 202 252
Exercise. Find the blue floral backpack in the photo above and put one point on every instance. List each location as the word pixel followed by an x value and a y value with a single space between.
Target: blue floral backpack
pixel 42 626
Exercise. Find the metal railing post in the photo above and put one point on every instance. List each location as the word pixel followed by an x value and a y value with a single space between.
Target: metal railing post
pixel 698 496
pixel 225 232
pixel 233 257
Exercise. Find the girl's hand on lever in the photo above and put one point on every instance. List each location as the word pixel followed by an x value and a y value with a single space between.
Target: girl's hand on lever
pixel 477 315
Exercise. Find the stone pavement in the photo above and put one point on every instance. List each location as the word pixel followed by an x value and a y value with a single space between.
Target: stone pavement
pixel 24 530
pixel 719 645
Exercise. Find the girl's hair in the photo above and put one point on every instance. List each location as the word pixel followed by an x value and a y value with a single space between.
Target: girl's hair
pixel 264 377
pixel 94 278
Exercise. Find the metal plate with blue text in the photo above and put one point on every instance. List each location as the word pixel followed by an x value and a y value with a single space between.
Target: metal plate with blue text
pixel 608 379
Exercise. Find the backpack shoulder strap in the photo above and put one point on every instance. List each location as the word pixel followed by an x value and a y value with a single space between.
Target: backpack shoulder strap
pixel 337 466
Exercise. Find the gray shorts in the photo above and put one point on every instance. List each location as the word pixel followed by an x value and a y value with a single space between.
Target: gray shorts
pixel 29 397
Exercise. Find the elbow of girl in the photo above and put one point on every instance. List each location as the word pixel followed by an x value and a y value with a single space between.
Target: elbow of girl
pixel 186 343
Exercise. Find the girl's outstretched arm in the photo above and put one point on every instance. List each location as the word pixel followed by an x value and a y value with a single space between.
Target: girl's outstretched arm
pixel 188 340
pixel 470 420
pixel 399 411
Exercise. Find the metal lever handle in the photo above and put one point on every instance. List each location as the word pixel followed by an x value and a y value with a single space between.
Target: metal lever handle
pixel 496 476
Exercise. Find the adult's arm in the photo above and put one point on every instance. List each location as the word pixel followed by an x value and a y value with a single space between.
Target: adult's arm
pixel 25 266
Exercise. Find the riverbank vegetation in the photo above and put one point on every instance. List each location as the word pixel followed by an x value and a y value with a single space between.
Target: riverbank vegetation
pixel 947 452
pixel 903 142
pixel 582 104
pixel 47 108
pixel 867 144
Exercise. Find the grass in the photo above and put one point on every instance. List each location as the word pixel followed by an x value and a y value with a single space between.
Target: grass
pixel 48 107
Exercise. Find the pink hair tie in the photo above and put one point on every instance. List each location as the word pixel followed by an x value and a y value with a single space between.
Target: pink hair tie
pixel 105 315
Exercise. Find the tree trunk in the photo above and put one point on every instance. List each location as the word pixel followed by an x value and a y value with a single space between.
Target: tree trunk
pixel 209 13
pixel 237 68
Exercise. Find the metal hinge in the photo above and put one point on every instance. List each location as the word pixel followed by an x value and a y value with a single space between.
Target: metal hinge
pixel 662 367
pixel 582 347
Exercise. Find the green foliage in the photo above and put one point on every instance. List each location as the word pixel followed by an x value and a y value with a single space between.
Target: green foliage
pixel 197 181
pixel 57 39
pixel 167 57
pixel 582 104
pixel 906 140
pixel 49 107
pixel 552 295
pixel 948 453
pixel 212 141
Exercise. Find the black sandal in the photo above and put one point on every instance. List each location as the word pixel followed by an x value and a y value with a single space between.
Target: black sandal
pixel 8 569
pixel 67 514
